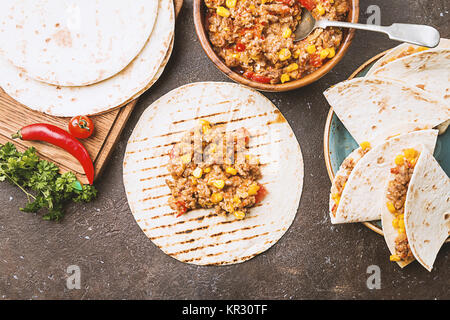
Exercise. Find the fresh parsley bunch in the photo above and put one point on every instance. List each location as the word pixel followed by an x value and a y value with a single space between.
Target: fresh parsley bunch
pixel 41 181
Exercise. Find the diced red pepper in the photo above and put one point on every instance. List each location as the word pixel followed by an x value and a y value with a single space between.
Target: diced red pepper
pixel 181 208
pixel 394 170
pixel 172 153
pixel 240 47
pixel 308 4
pixel 315 60
pixel 255 77
pixel 262 192
pixel 261 79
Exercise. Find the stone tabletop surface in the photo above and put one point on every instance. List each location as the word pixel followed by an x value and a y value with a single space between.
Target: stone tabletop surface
pixel 313 260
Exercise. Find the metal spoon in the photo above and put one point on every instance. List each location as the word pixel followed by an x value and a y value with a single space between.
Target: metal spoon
pixel 412 33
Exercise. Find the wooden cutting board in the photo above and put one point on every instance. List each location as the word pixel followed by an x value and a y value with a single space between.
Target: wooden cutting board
pixel 108 127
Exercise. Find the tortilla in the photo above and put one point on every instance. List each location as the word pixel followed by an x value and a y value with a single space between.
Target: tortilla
pixel 428 70
pixel 362 194
pixel 200 236
pixel 373 109
pixel 403 50
pixel 98 97
pixel 74 43
pixel 427 212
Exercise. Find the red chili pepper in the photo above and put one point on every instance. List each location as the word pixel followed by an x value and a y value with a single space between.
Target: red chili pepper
pixel 60 138
pixel 240 47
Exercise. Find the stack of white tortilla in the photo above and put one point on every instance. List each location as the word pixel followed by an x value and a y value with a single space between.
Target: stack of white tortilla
pixel 201 236
pixel 82 57
pixel 395 107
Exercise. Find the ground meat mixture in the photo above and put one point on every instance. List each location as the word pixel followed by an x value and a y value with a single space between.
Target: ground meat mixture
pixel 346 167
pixel 211 169
pixel 396 197
pixel 256 37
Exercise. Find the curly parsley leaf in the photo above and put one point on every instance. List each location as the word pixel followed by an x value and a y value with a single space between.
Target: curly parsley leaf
pixel 40 180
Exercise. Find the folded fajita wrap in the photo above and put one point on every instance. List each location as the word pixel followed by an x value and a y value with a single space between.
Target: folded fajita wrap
pixel 373 109
pixel 359 184
pixel 416 208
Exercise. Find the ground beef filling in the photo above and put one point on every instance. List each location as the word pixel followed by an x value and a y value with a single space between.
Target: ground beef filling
pixel 256 37
pixel 339 183
pixel 210 169
pixel 396 197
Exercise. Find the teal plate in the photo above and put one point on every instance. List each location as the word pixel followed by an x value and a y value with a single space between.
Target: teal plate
pixel 338 143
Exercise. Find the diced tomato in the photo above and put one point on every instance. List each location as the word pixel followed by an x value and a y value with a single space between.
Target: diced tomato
pixel 334 208
pixel 394 170
pixel 255 77
pixel 261 79
pixel 308 4
pixel 172 153
pixel 248 74
pixel 243 133
pixel 181 208
pixel 240 47
pixel 262 192
pixel 315 60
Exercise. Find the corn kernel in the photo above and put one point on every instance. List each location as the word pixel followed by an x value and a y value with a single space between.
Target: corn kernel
pixel 205 125
pixel 239 214
pixel 401 230
pixel 390 207
pixel 287 33
pixel 331 53
pixel 218 184
pixel 231 170
pixel 410 153
pixel 186 158
pixel 324 53
pixel 236 55
pixel 223 12
pixel 399 160
pixel 284 78
pixel 292 67
pixel 207 170
pixel 311 49
pixel 197 173
pixel 401 223
pixel 395 223
pixel 216 197
pixel 365 145
pixel 231 3
pixel 252 7
pixel 253 189
pixel 320 9
pixel 394 257
pixel 251 159
pixel 284 54
pixel 193 181
pixel 236 200
pixel 296 53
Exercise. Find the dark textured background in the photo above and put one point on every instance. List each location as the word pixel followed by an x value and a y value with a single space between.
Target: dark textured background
pixel 313 259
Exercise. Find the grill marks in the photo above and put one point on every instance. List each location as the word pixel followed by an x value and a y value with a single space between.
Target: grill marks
pixel 191 239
